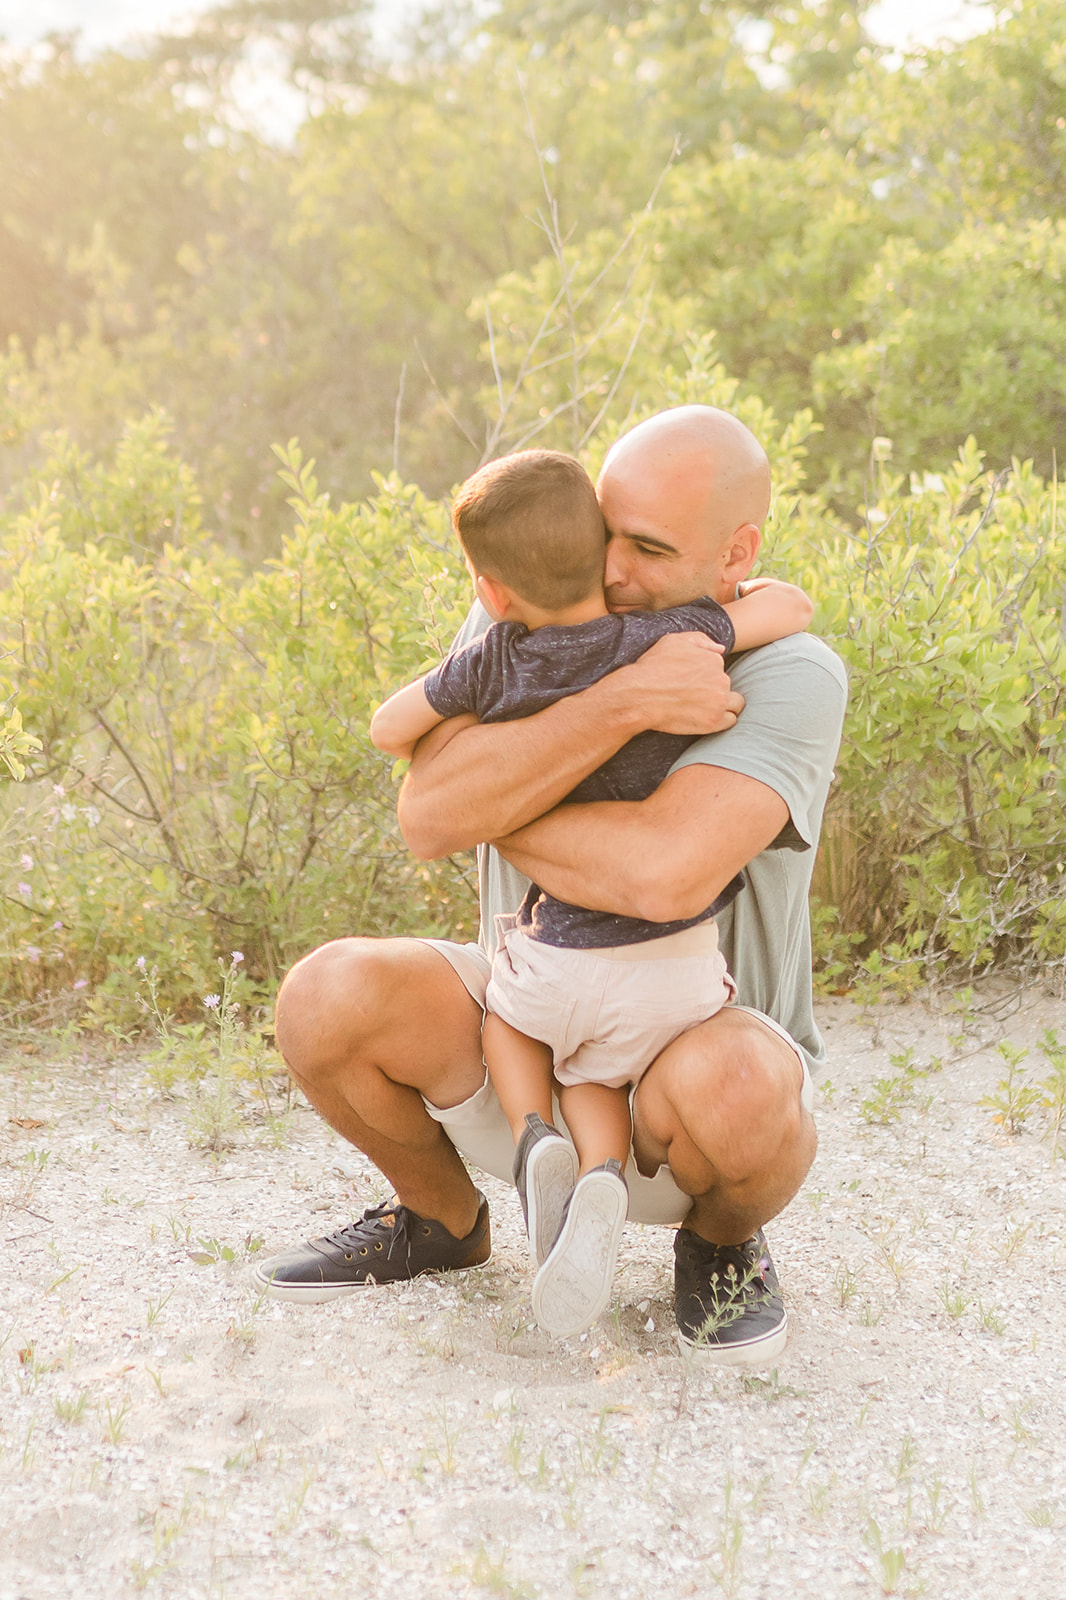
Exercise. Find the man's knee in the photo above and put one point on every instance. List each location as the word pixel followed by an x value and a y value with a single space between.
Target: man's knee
pixel 331 1004
pixel 732 1084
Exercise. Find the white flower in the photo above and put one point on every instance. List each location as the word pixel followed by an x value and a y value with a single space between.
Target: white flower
pixel 26 862
pixel 68 812
pixel 33 952
pixel 212 1001
pixel 140 963
pixel 25 890
pixel 236 956
pixel 57 788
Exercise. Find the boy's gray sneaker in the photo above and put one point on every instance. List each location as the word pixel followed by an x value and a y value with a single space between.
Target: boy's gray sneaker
pixel 573 1286
pixel 728 1301
pixel 545 1171
pixel 387 1244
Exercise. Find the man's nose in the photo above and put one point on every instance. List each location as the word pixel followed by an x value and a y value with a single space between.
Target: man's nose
pixel 614 569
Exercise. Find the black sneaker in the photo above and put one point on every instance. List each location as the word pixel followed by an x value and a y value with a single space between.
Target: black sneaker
pixel 728 1300
pixel 573 1286
pixel 545 1171
pixel 387 1244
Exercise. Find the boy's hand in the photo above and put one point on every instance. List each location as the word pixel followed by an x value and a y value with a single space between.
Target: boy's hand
pixel 680 685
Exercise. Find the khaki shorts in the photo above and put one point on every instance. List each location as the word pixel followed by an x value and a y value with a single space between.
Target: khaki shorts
pixel 607 1014
pixel 478 1128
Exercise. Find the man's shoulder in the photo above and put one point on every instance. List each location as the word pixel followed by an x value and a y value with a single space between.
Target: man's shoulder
pixel 800 650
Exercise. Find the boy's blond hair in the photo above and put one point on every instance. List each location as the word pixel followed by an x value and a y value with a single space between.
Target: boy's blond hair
pixel 532 522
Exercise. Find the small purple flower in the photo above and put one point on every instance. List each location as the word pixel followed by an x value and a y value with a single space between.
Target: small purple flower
pixel 33 952
pixel 212 1001
pixel 25 890
pixel 140 963
pixel 26 862
pixel 80 983
pixel 236 956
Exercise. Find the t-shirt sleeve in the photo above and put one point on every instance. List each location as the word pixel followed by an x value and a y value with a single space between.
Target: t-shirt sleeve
pixel 452 688
pixel 788 734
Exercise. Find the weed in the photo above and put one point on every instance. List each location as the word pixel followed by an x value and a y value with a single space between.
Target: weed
pixel 117 1417
pixel 991 1319
pixel 492 1575
pixel 818 1499
pixel 952 1300
pixel 771 1388
pixel 889 1096
pixel 1053 1087
pixel 155 1308
pixel 1015 1235
pixel 295 1502
pixel 908 1457
pixel 891 1560
pixel 846 1283
pixel 1022 1433
pixel 938 1508
pixel 724 1566
pixel 1014 1098
pixel 1042 1514
pixel 71 1411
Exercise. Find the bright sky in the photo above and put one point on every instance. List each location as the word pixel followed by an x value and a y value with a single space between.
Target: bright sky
pixel 103 22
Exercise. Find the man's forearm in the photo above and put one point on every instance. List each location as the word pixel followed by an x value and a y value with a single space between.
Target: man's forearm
pixel 470 782
pixel 487 779
pixel 661 859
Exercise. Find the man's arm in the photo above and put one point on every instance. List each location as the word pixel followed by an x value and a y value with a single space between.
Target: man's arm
pixel 660 859
pixel 470 783
pixel 402 720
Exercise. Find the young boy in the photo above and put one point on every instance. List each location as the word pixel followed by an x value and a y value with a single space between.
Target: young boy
pixel 579 1000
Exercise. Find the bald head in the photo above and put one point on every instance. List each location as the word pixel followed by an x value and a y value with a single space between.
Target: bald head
pixel 684 496
pixel 704 454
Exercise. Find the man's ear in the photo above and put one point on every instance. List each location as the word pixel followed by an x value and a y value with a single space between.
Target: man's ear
pixel 494 596
pixel 741 551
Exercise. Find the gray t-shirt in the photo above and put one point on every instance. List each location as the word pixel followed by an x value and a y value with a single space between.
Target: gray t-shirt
pixel 510 672
pixel 787 737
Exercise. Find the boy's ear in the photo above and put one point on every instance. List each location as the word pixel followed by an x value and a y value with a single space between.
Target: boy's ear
pixel 741 551
pixel 494 596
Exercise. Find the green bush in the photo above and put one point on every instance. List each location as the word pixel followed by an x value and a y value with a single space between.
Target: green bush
pixel 946 833
pixel 206 781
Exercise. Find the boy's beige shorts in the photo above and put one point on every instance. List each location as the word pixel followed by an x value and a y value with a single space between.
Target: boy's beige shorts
pixel 478 1128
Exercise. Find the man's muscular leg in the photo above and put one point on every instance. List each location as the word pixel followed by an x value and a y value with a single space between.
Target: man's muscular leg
pixel 366 1027
pixel 721 1105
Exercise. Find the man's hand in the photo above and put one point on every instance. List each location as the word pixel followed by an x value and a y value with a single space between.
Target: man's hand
pixel 468 783
pixel 681 686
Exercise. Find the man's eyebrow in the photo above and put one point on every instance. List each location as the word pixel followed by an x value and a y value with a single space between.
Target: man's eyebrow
pixel 647 538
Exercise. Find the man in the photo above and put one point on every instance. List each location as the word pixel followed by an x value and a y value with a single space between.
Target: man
pixel 383 1036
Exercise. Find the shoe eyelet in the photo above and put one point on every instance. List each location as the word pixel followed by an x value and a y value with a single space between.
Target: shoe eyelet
pixel 379 1245
pixel 363 1250
pixel 427 1232
pixel 347 1257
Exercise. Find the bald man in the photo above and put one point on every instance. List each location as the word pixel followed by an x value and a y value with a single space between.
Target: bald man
pixel 383 1036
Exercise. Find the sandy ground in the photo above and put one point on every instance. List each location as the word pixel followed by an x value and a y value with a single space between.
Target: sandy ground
pixel 162 1430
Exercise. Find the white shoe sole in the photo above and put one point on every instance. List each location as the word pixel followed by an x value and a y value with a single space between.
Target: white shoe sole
pixel 573 1286
pixel 754 1353
pixel 551 1172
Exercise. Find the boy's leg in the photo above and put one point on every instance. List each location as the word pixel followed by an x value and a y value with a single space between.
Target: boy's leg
pixel 599 1122
pixel 521 1072
pixel 573 1286
pixel 545 1164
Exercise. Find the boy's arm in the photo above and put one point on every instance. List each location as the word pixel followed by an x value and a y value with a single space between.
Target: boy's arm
pixel 397 726
pixel 767 610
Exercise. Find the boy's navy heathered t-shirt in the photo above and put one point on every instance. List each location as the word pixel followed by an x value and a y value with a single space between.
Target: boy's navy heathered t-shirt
pixel 510 673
